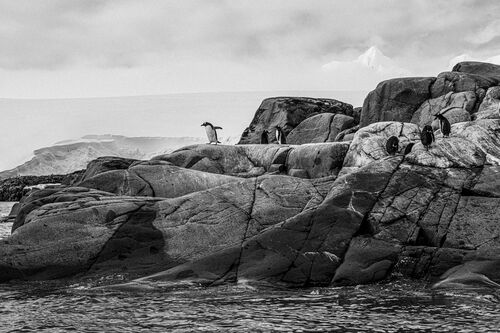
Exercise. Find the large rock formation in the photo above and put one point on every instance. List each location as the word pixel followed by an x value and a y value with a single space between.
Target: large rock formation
pixel 459 95
pixel 288 112
pixel 329 213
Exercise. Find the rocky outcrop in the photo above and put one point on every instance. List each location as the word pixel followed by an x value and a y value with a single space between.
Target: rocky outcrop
pixel 456 107
pixel 13 189
pixel 316 214
pixel 479 68
pixel 304 161
pixel 490 107
pixel 323 127
pixel 396 100
pixel 106 163
pixel 288 112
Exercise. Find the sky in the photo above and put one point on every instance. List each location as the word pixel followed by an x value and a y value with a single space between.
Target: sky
pixel 56 54
pixel 97 48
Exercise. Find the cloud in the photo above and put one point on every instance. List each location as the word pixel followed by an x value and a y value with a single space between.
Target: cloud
pixel 260 39
pixel 466 57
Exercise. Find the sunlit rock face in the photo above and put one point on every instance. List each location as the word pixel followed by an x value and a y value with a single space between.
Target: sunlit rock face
pixel 310 213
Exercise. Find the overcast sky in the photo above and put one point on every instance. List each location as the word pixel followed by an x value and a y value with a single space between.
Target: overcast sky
pixel 71 48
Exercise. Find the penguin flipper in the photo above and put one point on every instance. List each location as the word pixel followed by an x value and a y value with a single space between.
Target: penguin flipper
pixel 217 127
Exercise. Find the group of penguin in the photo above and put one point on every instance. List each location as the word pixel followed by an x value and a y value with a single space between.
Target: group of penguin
pixel 392 144
pixel 211 131
pixel 426 136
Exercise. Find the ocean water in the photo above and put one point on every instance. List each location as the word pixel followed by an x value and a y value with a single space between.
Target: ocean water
pixel 57 306
pixel 74 305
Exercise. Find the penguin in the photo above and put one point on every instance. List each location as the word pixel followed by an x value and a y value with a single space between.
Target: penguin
pixel 264 139
pixel 280 135
pixel 427 136
pixel 444 125
pixel 211 132
pixel 408 148
pixel 392 145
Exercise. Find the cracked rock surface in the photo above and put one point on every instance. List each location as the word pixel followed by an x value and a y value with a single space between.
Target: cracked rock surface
pixel 316 214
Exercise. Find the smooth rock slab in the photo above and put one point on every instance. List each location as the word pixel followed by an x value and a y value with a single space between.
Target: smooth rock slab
pixel 369 143
pixel 323 127
pixel 452 152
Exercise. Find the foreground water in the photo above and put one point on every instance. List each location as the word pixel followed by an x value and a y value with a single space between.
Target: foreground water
pixel 393 307
pixel 403 306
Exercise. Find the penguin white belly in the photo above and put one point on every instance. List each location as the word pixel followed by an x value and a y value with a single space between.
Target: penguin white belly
pixel 212 137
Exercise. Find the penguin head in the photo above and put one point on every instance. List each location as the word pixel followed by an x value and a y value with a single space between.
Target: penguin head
pixel 438 116
pixel 206 123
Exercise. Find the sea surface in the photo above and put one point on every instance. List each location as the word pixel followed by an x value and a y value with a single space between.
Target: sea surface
pixel 399 306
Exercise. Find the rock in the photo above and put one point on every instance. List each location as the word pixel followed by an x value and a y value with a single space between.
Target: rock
pixel 106 163
pixel 347 135
pixel 477 214
pixel 317 160
pixel 486 184
pixel 155 179
pixel 457 82
pixel 367 260
pixel 369 142
pixel 472 274
pixel 64 238
pixel 480 68
pixel 240 160
pixel 395 100
pixel 323 127
pixel 490 107
pixel 452 152
pixel 454 115
pixel 445 104
pixel 288 112
pixel 82 230
pixel 417 205
pixel 484 133
pixel 303 250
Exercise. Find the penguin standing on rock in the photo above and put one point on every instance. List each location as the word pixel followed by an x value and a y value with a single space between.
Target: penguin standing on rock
pixel 211 132
pixel 444 125
pixel 280 135
pixel 264 138
pixel 427 136
pixel 392 145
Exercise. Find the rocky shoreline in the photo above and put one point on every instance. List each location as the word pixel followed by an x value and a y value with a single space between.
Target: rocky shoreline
pixel 330 208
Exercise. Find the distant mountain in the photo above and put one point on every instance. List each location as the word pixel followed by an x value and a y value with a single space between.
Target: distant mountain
pixel 71 155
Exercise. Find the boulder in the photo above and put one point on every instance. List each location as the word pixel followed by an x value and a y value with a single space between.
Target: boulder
pixel 323 127
pixel 288 112
pixel 447 104
pixel 369 142
pixel 484 133
pixel 239 160
pixel 83 230
pixel 490 107
pixel 454 115
pixel 306 249
pixel 395 100
pixel 488 70
pixel 316 160
pixel 106 163
pixel 155 179
pixel 367 260
pixel 64 238
pixel 457 82
pixel 452 152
